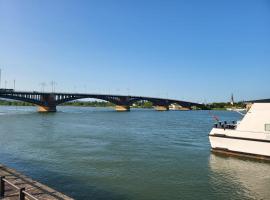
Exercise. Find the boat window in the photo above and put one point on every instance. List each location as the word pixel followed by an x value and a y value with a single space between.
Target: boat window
pixel 267 127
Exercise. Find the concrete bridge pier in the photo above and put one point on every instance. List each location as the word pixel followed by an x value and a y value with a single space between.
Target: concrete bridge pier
pixel 122 108
pixel 47 109
pixel 161 108
pixel 48 101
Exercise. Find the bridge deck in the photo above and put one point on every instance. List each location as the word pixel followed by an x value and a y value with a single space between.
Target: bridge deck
pixel 47 102
pixel 32 187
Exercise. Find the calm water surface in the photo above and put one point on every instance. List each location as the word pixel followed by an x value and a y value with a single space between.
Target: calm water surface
pixel 96 153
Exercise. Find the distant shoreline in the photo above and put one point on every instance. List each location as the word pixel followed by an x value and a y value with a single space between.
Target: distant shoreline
pixel 104 104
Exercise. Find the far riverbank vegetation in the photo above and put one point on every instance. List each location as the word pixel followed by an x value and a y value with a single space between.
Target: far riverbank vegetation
pixel 139 104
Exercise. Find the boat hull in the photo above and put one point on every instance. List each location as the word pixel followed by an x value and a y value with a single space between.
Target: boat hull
pixel 239 154
pixel 232 144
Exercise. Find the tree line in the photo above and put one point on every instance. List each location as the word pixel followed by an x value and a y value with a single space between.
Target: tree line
pixel 139 104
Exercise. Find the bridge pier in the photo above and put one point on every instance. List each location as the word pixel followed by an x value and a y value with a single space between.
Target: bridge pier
pixel 48 103
pixel 161 108
pixel 47 109
pixel 122 108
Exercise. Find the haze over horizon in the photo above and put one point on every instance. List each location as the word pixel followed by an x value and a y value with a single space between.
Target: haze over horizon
pixel 200 51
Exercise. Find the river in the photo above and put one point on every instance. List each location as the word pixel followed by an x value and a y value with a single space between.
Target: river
pixel 97 153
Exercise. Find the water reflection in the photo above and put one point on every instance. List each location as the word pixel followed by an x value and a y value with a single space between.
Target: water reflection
pixel 243 178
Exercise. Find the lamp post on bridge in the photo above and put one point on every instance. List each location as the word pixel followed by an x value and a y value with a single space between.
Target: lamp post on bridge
pixel 42 86
pixel 53 83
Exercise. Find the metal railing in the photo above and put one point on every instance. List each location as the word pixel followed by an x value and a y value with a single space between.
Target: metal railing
pixel 226 125
pixel 22 193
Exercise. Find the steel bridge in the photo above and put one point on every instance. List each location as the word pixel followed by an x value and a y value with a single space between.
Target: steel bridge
pixel 47 102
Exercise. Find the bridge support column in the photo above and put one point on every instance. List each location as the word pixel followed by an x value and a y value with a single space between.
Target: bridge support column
pixel 161 108
pixel 46 108
pixel 122 108
pixel 49 104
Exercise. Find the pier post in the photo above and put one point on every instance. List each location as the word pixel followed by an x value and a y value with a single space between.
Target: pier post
pixel 2 187
pixel 21 194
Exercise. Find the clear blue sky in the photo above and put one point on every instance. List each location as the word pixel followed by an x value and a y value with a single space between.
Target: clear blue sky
pixel 190 50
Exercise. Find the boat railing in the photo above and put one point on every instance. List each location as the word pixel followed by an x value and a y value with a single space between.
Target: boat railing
pixel 226 125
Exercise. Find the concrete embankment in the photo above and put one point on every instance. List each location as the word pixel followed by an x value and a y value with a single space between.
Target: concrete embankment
pixel 14 182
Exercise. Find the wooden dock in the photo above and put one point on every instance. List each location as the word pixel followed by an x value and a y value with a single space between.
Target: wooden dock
pixel 15 186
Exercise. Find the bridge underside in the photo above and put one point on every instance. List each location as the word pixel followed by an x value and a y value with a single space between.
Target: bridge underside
pixel 47 102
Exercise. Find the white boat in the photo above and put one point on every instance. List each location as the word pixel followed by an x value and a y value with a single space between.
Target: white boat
pixel 249 137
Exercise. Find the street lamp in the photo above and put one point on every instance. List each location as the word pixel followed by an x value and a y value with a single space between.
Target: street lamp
pixel 42 86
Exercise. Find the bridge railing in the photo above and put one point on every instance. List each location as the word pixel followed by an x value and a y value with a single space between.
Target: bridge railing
pixel 22 193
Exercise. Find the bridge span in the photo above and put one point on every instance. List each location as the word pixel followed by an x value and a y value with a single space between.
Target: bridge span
pixel 47 102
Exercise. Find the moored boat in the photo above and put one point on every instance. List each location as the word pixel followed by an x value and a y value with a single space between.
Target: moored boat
pixel 249 137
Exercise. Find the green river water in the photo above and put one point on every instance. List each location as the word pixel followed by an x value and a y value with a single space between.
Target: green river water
pixel 97 153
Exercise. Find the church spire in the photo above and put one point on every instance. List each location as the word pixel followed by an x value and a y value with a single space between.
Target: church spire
pixel 232 100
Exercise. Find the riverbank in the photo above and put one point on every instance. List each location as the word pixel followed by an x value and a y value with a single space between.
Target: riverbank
pixel 147 105
pixel 33 188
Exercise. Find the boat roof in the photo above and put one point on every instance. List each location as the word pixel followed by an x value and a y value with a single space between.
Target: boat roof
pixel 258 101
pixel 256 118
